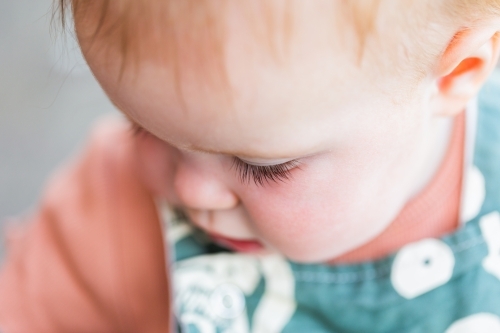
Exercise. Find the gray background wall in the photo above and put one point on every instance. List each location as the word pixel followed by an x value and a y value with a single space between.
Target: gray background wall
pixel 48 101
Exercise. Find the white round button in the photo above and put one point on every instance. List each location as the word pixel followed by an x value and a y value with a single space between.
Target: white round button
pixel 481 323
pixel 422 266
pixel 227 301
pixel 474 194
pixel 490 229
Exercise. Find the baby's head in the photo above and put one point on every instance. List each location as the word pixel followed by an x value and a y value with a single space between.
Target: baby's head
pixel 304 125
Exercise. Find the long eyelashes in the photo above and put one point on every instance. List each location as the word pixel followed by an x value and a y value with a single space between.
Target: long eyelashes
pixel 261 174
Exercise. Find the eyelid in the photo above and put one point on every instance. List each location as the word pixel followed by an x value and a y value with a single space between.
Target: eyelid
pixel 265 162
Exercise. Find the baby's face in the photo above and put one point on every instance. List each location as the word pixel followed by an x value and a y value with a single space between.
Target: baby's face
pixel 312 153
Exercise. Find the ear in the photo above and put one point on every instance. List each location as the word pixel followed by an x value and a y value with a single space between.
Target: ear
pixel 463 68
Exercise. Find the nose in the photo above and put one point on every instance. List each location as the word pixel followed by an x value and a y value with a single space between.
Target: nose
pixel 198 186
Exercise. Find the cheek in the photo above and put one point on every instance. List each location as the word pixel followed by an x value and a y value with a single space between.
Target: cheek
pixel 312 216
pixel 331 206
pixel 156 164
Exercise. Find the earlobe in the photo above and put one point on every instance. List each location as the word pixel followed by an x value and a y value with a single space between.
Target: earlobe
pixel 464 66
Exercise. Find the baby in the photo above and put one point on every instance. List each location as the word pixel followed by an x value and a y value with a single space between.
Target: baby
pixel 294 166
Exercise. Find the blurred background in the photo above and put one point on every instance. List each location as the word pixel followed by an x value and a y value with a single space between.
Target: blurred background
pixel 48 101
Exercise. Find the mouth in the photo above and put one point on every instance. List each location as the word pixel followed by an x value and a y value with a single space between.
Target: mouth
pixel 239 245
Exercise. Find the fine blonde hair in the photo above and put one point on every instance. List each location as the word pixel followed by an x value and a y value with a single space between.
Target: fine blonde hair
pixel 175 25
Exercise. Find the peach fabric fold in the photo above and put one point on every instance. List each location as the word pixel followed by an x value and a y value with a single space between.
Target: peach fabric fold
pixel 92 258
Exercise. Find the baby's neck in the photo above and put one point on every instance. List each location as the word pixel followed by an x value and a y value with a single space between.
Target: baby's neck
pixel 435 151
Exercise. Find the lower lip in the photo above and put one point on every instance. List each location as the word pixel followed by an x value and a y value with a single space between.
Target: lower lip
pixel 238 245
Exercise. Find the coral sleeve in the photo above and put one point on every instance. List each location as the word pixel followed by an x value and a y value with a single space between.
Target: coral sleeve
pixel 91 259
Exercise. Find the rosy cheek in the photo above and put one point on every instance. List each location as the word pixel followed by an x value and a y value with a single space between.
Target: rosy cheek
pixel 303 217
pixel 156 164
pixel 281 211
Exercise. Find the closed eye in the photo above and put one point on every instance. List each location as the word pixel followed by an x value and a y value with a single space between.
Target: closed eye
pixel 261 174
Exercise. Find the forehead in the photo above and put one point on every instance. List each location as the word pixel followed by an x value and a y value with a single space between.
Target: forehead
pixel 283 99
